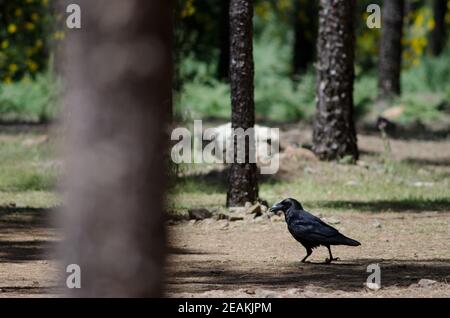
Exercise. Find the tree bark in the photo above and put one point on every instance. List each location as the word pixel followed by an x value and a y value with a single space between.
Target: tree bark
pixel 119 71
pixel 223 66
pixel 305 29
pixel 334 134
pixel 391 48
pixel 243 185
pixel 439 34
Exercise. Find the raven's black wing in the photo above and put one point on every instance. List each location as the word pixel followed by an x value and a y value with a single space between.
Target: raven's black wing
pixel 306 227
pixel 311 230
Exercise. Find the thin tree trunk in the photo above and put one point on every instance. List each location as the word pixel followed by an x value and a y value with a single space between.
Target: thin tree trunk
pixel 334 135
pixel 439 34
pixel 305 29
pixel 223 66
pixel 118 96
pixel 391 48
pixel 243 176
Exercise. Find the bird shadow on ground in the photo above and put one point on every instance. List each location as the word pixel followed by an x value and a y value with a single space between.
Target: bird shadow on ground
pixel 347 276
pixel 402 205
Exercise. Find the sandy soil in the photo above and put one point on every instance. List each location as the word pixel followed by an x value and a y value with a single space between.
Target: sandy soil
pixel 213 259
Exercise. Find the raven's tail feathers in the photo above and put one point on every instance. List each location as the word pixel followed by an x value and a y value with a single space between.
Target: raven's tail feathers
pixel 348 241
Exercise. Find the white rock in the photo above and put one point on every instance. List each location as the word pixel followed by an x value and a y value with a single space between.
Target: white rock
pixel 426 282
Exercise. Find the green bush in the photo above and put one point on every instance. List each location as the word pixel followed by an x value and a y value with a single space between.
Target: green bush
pixel 30 99
pixel 25 35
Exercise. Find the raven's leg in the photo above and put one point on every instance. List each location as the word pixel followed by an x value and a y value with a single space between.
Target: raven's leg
pixel 329 260
pixel 308 252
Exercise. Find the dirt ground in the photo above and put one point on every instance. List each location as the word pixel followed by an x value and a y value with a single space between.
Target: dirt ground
pixel 248 259
pixel 258 258
pixel 27 245
pixel 213 259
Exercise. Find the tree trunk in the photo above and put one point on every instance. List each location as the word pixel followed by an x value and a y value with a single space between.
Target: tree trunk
pixel 223 66
pixel 243 176
pixel 439 34
pixel 118 96
pixel 305 29
pixel 391 48
pixel 334 135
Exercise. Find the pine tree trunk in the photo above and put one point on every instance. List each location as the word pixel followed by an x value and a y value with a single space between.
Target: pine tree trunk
pixel 334 134
pixel 391 48
pixel 439 34
pixel 305 29
pixel 223 66
pixel 118 96
pixel 243 176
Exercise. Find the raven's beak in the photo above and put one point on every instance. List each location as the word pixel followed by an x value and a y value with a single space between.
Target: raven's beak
pixel 276 207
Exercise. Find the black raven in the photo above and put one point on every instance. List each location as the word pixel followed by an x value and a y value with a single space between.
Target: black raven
pixel 309 230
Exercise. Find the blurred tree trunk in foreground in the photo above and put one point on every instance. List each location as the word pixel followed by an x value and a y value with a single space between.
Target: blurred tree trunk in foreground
pixel 243 185
pixel 223 66
pixel 334 134
pixel 439 34
pixel 391 48
pixel 305 29
pixel 117 104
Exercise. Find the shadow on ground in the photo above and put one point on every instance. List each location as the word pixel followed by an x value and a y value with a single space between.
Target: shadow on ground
pixel 32 250
pixel 404 205
pixel 18 227
pixel 346 276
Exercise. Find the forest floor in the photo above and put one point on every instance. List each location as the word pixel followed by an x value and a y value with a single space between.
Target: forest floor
pixel 396 203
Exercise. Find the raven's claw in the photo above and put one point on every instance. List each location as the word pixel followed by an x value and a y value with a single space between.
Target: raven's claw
pixel 329 260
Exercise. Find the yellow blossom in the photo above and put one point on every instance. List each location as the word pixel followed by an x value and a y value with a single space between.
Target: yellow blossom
pixel 29 26
pixel 13 68
pixel 32 65
pixel 34 16
pixel 12 28
pixel 39 43
pixel 5 44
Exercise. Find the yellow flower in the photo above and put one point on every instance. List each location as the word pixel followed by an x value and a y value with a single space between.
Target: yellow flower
pixel 29 26
pixel 18 12
pixel 45 2
pixel 7 80
pixel 430 24
pixel 30 51
pixel 32 65
pixel 188 9
pixel 58 35
pixel 13 68
pixel 5 44
pixel 34 16
pixel 12 28
pixel 39 43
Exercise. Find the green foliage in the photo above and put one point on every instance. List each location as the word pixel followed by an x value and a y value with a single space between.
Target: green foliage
pixel 24 38
pixel 31 99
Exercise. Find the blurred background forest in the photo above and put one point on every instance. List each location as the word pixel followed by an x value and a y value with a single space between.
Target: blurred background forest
pixel 284 45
